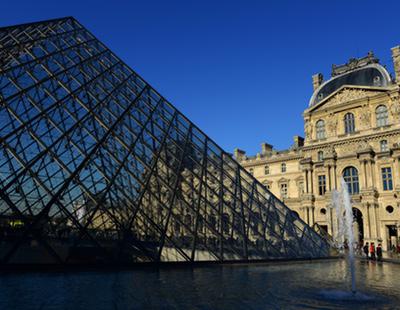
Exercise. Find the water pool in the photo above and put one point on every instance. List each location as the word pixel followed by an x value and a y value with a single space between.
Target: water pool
pixel 315 285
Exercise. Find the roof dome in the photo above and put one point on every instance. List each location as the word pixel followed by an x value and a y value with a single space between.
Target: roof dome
pixel 369 75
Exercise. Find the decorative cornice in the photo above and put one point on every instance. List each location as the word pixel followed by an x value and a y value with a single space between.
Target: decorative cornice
pixel 350 140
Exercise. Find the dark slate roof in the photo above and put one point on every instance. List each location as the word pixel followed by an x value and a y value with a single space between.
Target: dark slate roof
pixel 370 75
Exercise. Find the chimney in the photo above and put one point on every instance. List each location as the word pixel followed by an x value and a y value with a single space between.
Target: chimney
pixel 317 80
pixel 396 62
pixel 266 149
pixel 239 154
pixel 298 141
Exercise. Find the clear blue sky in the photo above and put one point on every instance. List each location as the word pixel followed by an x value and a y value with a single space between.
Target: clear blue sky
pixel 241 70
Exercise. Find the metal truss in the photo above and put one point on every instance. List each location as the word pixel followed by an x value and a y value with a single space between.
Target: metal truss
pixel 97 167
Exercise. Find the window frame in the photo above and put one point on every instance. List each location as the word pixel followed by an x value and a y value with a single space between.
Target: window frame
pixel 349 123
pixel 383 145
pixel 382 116
pixel 320 129
pixel 322 184
pixel 352 180
pixel 387 178
pixel 284 189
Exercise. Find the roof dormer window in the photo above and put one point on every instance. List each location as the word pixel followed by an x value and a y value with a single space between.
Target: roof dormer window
pixel 377 81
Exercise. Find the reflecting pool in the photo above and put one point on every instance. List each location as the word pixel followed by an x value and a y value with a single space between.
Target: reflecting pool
pixel 316 285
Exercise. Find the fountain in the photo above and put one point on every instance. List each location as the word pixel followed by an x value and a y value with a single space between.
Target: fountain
pixel 345 242
pixel 344 213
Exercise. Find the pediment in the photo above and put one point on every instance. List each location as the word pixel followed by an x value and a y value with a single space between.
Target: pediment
pixel 348 93
pixel 283 180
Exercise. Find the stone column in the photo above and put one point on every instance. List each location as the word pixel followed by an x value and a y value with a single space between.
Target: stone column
pixel 367 226
pixel 335 177
pixel 329 179
pixel 372 221
pixel 396 173
pixel 370 174
pixel 311 181
pixel 373 174
pixel 307 186
pixel 364 165
pixel 312 216
pixel 378 231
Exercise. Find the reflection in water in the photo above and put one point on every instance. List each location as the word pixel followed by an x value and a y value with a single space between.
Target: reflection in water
pixel 316 285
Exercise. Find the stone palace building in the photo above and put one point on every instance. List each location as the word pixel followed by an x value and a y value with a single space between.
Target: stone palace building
pixel 352 130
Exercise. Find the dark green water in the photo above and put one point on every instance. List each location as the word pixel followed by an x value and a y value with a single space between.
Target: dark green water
pixel 317 285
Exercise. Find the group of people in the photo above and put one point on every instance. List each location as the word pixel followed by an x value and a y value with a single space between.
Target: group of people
pixel 371 252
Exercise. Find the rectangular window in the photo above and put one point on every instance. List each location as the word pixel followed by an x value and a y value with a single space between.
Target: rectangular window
pixel 284 190
pixel 387 179
pixel 321 185
pixel 349 124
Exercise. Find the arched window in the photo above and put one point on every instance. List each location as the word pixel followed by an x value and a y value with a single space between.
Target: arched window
pixel 320 156
pixel 381 116
pixel 349 125
pixel 266 170
pixel 320 129
pixel 350 175
pixel 384 146
pixel 283 167
pixel 251 171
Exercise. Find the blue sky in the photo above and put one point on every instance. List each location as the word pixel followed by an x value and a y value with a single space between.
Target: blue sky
pixel 240 70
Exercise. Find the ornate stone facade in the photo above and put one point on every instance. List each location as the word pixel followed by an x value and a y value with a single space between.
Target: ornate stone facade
pixel 358 137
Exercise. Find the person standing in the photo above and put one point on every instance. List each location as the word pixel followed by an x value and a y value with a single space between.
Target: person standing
pixel 366 249
pixel 379 252
pixel 372 251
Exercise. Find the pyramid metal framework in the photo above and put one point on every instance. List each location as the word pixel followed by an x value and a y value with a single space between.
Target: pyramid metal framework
pixel 97 167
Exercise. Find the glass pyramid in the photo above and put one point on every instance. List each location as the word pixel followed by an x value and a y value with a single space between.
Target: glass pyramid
pixel 97 167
